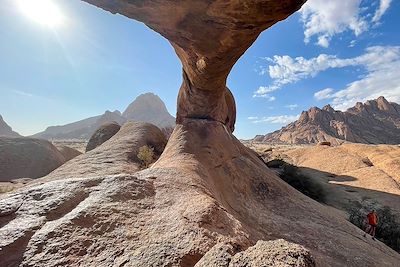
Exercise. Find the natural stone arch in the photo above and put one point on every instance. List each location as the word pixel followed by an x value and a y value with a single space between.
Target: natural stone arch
pixel 208 37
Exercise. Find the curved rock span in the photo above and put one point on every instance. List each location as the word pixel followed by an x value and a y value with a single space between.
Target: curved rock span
pixel 208 37
pixel 206 190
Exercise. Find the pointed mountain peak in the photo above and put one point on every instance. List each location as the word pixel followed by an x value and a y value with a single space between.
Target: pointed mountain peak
pixel 150 108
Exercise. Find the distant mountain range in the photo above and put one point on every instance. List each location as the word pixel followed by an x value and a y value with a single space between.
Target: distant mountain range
pixel 6 130
pixel 146 108
pixel 374 122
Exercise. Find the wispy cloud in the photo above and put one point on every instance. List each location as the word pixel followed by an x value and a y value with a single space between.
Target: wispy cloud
pixel 324 94
pixel 383 7
pixel 325 19
pixel 22 93
pixel 292 106
pixel 281 119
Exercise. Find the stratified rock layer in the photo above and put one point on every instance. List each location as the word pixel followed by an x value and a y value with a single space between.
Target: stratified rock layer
pixel 27 158
pixel 105 132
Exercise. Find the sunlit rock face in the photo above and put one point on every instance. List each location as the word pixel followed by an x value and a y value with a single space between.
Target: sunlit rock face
pixel 208 37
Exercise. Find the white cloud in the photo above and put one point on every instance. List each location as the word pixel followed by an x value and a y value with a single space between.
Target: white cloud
pixel 263 94
pixel 353 43
pixel 323 94
pixel 325 19
pixel 383 7
pixel 292 106
pixel 380 65
pixel 281 119
pixel 252 118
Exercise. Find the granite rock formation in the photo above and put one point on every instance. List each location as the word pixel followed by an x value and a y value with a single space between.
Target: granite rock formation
pixel 6 130
pixel 374 122
pixel 27 158
pixel 206 188
pixel 102 134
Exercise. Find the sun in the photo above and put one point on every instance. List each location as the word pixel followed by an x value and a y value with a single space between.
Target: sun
pixel 44 12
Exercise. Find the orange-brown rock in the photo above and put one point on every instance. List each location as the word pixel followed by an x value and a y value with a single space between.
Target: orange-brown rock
pixel 102 134
pixel 208 37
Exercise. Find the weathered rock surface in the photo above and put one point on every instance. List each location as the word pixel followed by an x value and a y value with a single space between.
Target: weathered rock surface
pixel 277 253
pixel 375 122
pixel 27 158
pixel 115 156
pixel 6 130
pixel 68 152
pixel 207 188
pixel 149 108
pixel 102 134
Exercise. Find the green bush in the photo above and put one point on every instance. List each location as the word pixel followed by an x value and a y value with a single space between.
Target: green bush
pixel 146 155
pixel 388 230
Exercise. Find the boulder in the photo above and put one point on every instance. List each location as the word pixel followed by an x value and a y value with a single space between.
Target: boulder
pixel 115 156
pixel 27 158
pixel 68 152
pixel 277 253
pixel 102 134
pixel 324 143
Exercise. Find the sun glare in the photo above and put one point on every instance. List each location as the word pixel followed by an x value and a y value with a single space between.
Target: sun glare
pixel 45 12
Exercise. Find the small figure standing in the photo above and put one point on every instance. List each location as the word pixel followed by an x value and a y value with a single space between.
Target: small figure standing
pixel 372 223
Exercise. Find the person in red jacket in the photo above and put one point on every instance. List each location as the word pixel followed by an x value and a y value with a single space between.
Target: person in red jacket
pixel 372 218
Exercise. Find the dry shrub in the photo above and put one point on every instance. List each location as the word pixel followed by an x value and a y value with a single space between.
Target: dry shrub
pixel 146 156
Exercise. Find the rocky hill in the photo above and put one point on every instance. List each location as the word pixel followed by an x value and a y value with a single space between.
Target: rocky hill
pixel 145 108
pixel 374 122
pixel 149 108
pixel 6 130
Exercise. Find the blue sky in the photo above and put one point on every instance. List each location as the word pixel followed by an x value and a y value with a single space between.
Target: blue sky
pixel 332 51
